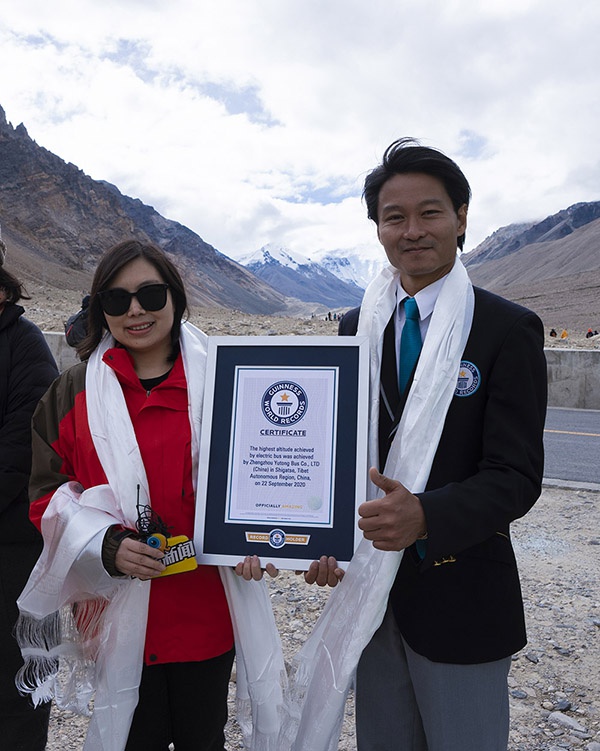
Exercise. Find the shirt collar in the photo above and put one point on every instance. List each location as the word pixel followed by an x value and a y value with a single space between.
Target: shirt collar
pixel 426 298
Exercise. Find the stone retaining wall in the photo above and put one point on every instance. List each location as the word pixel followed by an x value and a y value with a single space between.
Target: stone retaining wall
pixel 573 378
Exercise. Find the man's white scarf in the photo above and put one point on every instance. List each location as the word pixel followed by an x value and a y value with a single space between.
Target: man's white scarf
pixel 325 666
pixel 108 665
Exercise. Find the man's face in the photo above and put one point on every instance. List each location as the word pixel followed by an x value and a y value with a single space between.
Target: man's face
pixel 418 228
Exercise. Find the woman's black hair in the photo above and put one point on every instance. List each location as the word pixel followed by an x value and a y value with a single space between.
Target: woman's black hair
pixel 14 288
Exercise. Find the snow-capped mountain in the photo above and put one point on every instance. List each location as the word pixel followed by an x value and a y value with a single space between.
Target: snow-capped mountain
pixel 295 275
pixel 273 253
pixel 353 268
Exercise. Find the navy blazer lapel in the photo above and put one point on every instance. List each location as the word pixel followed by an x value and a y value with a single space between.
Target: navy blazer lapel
pixel 390 403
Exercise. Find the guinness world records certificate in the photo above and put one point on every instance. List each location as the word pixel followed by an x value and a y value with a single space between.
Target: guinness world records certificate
pixel 283 449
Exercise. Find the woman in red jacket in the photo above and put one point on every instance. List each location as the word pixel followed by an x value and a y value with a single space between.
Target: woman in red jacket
pixel 115 455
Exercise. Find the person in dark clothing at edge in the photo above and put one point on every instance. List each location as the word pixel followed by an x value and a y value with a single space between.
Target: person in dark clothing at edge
pixel 27 368
pixel 433 673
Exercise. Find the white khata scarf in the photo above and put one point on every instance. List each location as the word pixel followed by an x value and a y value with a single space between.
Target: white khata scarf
pixel 91 625
pixel 324 668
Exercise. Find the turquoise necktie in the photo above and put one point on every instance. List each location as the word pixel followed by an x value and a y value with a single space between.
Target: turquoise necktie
pixel 410 349
pixel 410 342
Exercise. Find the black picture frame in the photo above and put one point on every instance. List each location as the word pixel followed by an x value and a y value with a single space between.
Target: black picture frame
pixel 292 544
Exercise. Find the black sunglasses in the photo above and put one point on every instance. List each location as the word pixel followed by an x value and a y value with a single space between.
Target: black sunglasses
pixel 116 302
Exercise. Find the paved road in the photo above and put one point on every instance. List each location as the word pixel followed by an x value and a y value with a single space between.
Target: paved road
pixel 572 442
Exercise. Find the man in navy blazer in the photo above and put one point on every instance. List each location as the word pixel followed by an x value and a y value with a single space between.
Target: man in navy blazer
pixel 434 676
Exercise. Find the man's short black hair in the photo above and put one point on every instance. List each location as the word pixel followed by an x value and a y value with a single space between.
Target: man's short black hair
pixel 406 155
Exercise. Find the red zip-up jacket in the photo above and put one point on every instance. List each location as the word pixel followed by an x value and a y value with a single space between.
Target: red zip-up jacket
pixel 188 617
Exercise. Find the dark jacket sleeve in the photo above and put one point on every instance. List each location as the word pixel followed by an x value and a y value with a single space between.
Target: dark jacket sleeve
pixel 489 463
pixel 32 370
pixel 462 603
pixel 50 469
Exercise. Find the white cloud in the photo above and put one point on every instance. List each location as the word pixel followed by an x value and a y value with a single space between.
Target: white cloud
pixel 255 121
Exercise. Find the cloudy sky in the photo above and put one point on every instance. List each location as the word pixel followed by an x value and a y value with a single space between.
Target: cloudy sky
pixel 255 121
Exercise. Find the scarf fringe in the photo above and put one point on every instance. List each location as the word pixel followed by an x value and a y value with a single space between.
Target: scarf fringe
pixel 59 653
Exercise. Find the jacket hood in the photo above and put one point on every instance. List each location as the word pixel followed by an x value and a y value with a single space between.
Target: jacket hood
pixel 10 314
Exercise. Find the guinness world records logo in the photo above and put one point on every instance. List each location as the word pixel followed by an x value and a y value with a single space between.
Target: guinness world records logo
pixel 284 403
pixel 469 379
pixel 276 538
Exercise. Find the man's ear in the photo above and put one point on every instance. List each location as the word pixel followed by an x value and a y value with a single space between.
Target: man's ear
pixel 462 219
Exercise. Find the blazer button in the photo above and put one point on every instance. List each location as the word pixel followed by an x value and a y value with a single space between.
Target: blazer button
pixel 153 658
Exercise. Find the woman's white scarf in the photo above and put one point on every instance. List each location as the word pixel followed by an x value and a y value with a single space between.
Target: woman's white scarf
pixel 325 666
pixel 107 666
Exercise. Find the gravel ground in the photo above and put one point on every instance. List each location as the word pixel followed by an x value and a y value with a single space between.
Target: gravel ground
pixel 554 682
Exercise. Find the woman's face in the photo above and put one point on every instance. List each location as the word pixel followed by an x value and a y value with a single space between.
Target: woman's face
pixel 142 332
pixel 3 298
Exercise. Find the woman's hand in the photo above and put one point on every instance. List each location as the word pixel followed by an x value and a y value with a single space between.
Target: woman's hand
pixel 250 568
pixel 136 559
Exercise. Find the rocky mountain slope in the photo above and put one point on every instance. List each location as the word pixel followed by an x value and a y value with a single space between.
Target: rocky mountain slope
pixel 57 221
pixel 508 240
pixel 552 267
